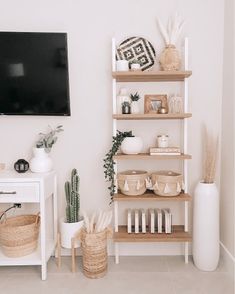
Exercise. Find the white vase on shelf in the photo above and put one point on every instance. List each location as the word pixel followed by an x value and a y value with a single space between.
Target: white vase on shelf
pixel 132 145
pixel 206 226
pixel 41 161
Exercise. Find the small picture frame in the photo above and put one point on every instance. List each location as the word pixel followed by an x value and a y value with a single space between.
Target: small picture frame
pixel 152 103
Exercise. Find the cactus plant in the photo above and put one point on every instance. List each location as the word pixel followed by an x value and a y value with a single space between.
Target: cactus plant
pixel 72 197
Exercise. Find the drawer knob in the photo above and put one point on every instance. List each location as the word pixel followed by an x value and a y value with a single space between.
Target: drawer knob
pixel 8 192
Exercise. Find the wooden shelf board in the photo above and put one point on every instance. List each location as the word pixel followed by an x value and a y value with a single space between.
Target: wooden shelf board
pixel 152 116
pixel 178 235
pixel 31 259
pixel 150 196
pixel 151 76
pixel 148 156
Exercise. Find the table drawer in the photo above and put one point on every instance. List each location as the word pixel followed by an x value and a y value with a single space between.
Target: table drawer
pixel 19 192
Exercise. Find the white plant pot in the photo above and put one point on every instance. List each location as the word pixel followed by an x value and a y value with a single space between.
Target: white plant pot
pixel 68 231
pixel 135 109
pixel 206 227
pixel 41 161
pixel 132 145
pixel 135 66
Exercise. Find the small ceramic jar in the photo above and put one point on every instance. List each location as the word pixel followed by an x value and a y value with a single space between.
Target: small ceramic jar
pixel 135 66
pixel 163 141
pixel 122 65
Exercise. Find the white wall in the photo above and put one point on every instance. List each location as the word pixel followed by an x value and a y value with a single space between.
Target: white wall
pixel 90 26
pixel 228 137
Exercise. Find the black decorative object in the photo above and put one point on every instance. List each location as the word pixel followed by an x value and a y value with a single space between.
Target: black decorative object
pixel 21 166
pixel 126 108
pixel 137 48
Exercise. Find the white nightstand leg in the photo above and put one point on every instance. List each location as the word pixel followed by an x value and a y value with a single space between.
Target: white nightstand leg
pixel 116 253
pixel 43 235
pixel 186 252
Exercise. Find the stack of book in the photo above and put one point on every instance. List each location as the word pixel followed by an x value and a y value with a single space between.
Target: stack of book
pixel 158 221
pixel 164 151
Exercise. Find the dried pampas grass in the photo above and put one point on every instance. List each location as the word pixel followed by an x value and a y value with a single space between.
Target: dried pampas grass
pixel 210 154
pixel 173 30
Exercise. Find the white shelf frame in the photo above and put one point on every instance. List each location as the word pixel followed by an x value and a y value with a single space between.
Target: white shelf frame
pixel 185 146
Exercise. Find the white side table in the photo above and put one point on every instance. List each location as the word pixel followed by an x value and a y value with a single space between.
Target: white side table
pixel 39 189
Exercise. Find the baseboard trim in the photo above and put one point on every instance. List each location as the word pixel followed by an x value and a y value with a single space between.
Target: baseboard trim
pixel 228 259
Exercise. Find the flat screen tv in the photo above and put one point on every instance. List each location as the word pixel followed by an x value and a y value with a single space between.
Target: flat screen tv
pixel 34 74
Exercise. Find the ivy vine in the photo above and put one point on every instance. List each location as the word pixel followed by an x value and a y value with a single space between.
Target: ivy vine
pixel 109 162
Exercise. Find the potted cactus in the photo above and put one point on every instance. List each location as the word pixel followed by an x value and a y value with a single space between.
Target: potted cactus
pixel 73 222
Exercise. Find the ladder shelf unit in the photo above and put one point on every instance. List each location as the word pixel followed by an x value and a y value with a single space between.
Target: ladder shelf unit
pixel 180 232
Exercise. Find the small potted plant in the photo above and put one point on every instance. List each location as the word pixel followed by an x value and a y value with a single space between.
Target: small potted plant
pixel 125 141
pixel 135 65
pixel 126 107
pixel 134 103
pixel 41 162
pixel 73 222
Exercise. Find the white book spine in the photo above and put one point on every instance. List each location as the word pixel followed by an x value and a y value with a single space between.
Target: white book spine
pixel 136 221
pixel 151 223
pixel 159 220
pixel 143 221
pixel 129 224
pixel 167 220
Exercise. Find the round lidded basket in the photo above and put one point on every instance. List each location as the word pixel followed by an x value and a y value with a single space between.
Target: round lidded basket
pixel 19 235
pixel 94 253
pixel 167 183
pixel 132 182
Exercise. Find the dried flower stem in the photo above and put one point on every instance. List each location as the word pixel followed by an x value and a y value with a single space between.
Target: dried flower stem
pixel 210 157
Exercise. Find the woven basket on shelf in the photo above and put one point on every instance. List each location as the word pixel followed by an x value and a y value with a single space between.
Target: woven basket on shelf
pixel 132 182
pixel 19 235
pixel 167 183
pixel 94 253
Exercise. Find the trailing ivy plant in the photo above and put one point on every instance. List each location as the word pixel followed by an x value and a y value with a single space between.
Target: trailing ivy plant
pixel 109 161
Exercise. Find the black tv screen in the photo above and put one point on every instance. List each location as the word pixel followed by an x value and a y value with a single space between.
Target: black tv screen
pixel 34 74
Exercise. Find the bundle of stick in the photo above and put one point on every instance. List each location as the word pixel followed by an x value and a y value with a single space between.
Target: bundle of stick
pixel 96 224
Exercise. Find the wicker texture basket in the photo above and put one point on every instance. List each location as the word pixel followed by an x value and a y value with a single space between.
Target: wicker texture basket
pixel 170 59
pixel 132 182
pixel 19 235
pixel 167 183
pixel 94 252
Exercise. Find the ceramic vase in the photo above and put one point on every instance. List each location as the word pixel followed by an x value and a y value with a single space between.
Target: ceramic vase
pixel 170 59
pixel 132 145
pixel 68 231
pixel 41 161
pixel 206 227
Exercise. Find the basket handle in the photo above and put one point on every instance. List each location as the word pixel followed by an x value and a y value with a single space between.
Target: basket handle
pixel 3 216
pixel 37 219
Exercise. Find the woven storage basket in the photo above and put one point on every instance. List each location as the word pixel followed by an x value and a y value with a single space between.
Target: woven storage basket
pixel 167 183
pixel 132 182
pixel 94 252
pixel 19 235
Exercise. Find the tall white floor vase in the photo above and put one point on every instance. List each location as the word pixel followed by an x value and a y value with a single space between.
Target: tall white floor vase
pixel 206 227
